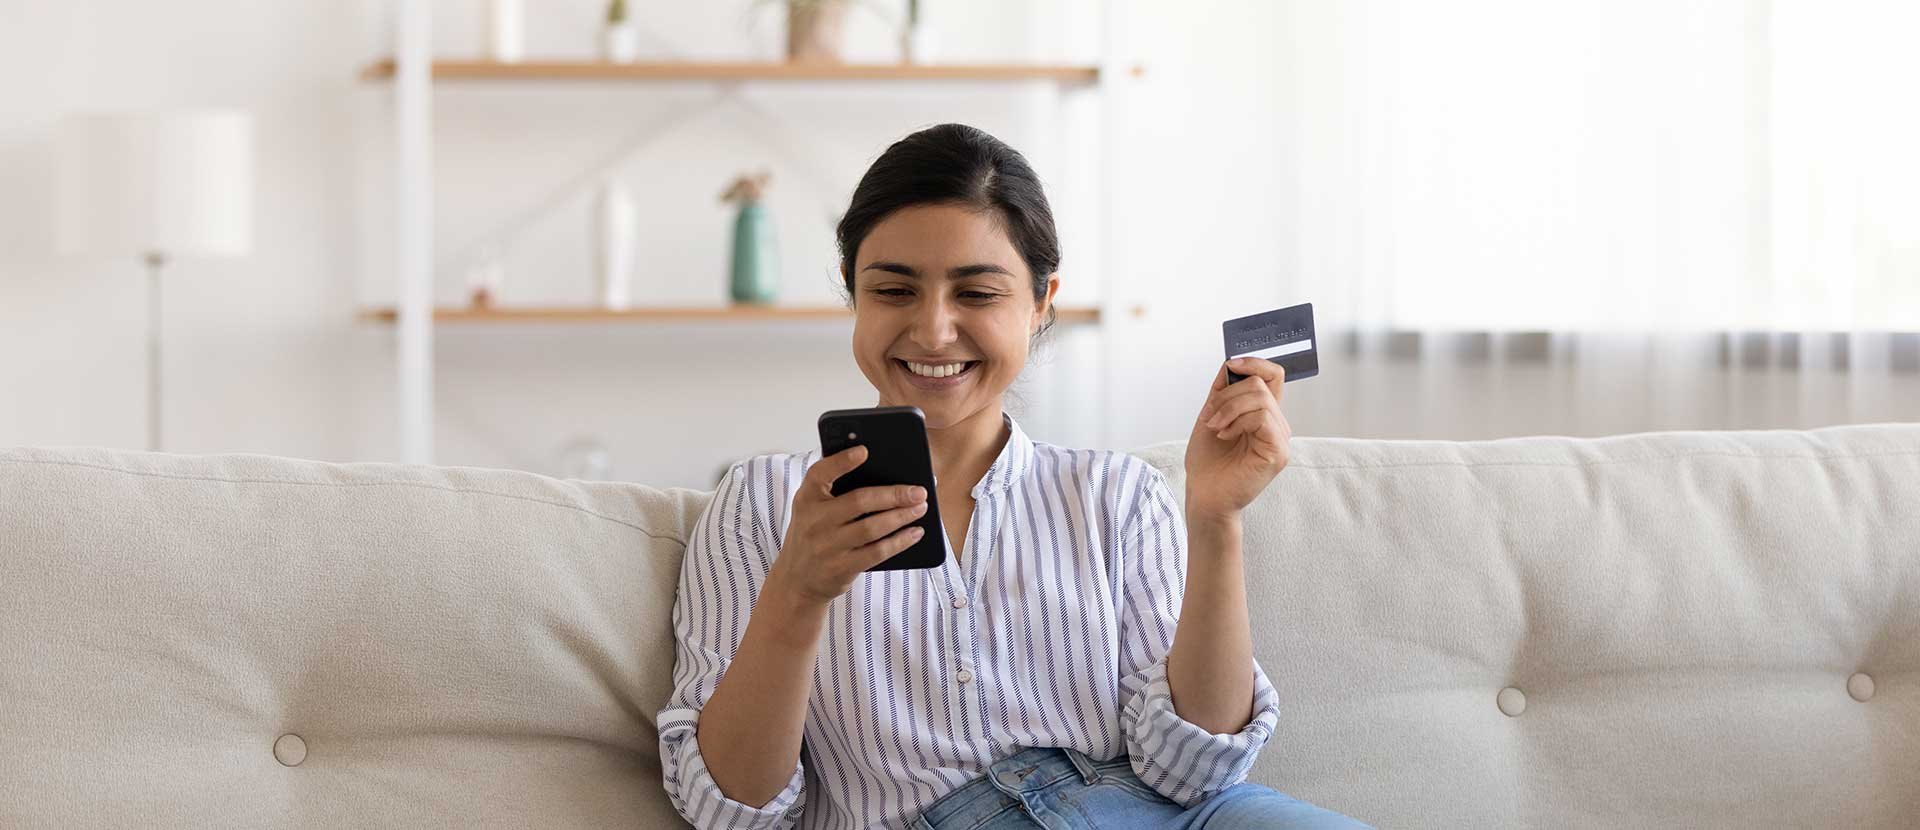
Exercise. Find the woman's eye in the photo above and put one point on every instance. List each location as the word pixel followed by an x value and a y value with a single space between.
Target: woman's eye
pixel 902 292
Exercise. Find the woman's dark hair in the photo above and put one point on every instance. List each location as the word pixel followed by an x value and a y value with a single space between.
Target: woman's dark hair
pixel 954 164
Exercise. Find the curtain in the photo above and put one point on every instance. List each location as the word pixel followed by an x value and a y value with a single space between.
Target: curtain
pixel 1587 218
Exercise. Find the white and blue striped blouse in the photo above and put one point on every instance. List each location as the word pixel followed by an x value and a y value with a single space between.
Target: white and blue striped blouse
pixel 1051 631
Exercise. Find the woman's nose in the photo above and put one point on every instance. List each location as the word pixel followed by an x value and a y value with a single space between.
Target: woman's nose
pixel 933 325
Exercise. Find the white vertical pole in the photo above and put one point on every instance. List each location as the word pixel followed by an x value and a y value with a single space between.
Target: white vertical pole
pixel 155 260
pixel 413 99
pixel 1113 45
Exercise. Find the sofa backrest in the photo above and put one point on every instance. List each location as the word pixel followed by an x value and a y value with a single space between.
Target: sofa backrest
pixel 451 647
pixel 1673 629
pixel 1661 630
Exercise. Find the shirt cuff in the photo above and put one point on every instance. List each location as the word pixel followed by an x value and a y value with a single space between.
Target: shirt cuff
pixel 1185 762
pixel 698 797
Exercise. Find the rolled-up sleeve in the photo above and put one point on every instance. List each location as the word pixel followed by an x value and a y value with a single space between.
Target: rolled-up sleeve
pixel 720 576
pixel 1180 760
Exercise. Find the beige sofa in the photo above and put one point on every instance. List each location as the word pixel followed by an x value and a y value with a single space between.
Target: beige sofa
pixel 1671 630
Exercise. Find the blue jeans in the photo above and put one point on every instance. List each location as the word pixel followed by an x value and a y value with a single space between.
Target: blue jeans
pixel 1061 789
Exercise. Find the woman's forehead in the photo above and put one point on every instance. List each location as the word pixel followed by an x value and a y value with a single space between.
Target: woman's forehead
pixel 939 237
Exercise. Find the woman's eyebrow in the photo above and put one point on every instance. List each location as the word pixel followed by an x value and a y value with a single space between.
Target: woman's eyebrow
pixel 965 271
pixel 961 272
pixel 892 267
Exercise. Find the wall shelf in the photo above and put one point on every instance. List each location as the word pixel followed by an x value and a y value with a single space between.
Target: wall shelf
pixel 560 70
pixel 659 314
pixel 412 73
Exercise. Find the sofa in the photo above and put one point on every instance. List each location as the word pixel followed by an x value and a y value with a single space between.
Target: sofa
pixel 1709 630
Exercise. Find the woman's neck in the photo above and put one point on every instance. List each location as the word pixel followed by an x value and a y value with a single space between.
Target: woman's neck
pixel 964 451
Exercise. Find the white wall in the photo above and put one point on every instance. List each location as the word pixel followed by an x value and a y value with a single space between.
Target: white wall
pixel 261 354
pixel 264 354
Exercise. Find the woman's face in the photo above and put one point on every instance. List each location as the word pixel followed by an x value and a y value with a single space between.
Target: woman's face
pixel 943 286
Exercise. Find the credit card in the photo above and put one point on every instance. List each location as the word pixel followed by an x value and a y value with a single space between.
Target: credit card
pixel 1284 336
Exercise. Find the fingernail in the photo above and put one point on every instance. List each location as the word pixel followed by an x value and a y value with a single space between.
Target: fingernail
pixel 920 508
pixel 917 493
pixel 916 532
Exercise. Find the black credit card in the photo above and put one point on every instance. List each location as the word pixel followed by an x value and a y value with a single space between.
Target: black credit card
pixel 1284 336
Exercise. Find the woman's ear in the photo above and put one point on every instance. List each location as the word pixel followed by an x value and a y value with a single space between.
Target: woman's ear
pixel 1043 303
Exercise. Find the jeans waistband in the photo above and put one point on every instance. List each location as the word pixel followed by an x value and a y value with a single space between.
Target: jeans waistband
pixel 1035 769
pixel 1026 771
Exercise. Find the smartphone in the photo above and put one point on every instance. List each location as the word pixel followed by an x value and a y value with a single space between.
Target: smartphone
pixel 897 453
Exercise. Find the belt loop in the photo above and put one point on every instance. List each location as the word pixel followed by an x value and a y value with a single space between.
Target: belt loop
pixel 1083 764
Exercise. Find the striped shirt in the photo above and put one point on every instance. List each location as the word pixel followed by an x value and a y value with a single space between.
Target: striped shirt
pixel 1051 630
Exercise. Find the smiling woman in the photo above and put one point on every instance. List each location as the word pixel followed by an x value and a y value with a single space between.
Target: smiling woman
pixel 1063 646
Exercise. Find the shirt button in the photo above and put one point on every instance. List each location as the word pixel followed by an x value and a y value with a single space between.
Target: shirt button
pixel 963 676
pixel 959 602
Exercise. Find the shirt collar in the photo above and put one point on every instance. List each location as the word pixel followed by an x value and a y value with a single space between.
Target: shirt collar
pixel 1012 464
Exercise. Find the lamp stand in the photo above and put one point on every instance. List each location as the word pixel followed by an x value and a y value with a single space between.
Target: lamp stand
pixel 155 260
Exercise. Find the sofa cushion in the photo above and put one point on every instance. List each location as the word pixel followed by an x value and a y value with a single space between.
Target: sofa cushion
pixel 451 647
pixel 1673 619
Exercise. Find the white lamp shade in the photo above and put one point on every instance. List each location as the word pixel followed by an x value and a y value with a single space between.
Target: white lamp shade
pixel 176 183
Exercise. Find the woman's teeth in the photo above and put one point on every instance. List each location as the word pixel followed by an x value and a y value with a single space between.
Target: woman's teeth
pixel 947 370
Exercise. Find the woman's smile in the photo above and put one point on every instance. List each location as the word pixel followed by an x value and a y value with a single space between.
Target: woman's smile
pixel 936 377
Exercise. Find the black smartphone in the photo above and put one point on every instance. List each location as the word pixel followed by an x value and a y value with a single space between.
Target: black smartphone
pixel 897 453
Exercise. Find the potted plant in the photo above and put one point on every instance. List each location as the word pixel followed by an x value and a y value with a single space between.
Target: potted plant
pixel 619 40
pixel 916 40
pixel 755 275
pixel 816 30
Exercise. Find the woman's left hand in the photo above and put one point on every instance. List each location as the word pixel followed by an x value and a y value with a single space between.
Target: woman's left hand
pixel 1239 440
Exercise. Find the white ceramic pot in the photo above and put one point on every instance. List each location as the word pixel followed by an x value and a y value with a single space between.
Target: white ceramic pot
pixel 614 229
pixel 620 43
pixel 506 42
pixel 917 45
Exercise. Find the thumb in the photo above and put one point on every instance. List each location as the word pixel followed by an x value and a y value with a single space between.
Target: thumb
pixel 1219 378
pixel 852 457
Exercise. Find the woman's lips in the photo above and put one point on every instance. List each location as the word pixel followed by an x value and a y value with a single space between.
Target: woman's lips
pixel 936 384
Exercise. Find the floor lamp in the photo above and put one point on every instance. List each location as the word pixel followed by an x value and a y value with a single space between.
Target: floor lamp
pixel 156 186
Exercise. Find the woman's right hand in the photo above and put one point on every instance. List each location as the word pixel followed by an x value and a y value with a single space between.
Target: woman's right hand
pixel 828 543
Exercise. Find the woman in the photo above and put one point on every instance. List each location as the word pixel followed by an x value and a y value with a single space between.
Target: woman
pixel 1082 658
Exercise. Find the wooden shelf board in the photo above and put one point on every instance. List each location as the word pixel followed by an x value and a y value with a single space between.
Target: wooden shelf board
pixel 688 314
pixel 560 70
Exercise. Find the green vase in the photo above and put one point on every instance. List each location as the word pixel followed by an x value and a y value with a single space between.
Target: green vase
pixel 756 272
